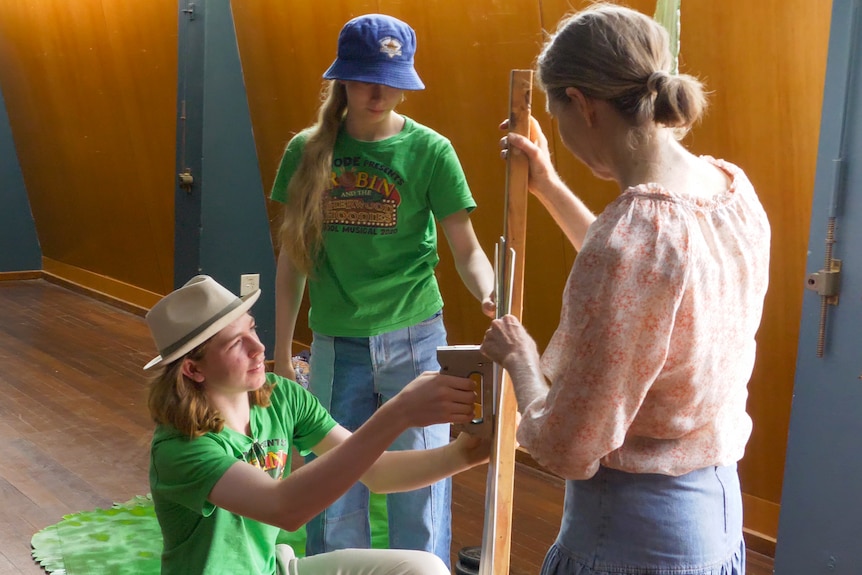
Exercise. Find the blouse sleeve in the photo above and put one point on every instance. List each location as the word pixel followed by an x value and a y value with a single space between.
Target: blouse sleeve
pixel 615 327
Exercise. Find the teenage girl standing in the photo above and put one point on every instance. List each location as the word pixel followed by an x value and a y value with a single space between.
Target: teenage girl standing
pixel 362 189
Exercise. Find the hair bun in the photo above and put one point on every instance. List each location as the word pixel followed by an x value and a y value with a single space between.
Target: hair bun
pixel 656 81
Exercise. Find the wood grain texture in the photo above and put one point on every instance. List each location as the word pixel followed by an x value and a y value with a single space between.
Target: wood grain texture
pixel 90 89
pixel 74 429
pixel 497 535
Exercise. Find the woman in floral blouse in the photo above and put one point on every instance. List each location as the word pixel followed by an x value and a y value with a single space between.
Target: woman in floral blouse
pixel 639 399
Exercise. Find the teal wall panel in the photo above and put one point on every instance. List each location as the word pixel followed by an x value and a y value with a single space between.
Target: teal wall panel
pixel 821 511
pixel 222 226
pixel 19 245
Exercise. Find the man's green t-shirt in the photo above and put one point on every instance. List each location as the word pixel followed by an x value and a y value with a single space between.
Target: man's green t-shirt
pixel 375 272
pixel 200 537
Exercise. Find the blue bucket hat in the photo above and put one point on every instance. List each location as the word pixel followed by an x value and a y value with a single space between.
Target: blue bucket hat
pixel 376 49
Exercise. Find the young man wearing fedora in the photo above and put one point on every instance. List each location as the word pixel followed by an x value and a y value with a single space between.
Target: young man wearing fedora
pixel 220 470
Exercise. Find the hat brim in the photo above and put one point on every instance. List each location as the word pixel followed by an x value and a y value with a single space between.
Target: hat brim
pixel 247 301
pixel 400 77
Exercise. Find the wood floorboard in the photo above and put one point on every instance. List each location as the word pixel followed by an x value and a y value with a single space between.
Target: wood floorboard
pixel 74 429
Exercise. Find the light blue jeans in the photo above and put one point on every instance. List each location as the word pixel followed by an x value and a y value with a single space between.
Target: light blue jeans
pixel 352 377
pixel 647 524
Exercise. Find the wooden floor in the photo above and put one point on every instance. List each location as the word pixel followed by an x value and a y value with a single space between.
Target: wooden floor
pixel 74 429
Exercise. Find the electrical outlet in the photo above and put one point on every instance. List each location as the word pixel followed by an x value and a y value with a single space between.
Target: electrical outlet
pixel 248 283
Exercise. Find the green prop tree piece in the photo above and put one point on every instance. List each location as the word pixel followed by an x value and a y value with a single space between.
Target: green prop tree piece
pixel 126 540
pixel 123 540
pixel 667 14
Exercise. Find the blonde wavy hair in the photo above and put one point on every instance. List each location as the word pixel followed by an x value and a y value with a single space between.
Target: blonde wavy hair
pixel 302 224
pixel 181 402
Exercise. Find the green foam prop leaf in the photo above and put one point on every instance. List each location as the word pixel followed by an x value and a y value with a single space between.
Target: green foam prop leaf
pixel 126 540
pixel 118 541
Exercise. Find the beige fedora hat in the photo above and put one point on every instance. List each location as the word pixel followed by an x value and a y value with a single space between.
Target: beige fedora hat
pixel 190 315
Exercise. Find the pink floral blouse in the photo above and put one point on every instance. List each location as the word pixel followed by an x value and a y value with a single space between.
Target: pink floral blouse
pixel 650 363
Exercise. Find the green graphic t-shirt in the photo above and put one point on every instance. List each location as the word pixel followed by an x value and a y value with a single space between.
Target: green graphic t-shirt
pixel 200 537
pixel 376 269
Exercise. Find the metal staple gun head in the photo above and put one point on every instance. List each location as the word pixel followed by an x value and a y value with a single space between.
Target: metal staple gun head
pixel 467 361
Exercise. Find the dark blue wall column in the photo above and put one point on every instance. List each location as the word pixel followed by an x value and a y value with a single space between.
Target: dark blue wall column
pixel 821 507
pixel 222 227
pixel 19 245
pixel 190 104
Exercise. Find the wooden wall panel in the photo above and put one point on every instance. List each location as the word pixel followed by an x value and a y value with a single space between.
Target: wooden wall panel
pixel 768 81
pixel 90 88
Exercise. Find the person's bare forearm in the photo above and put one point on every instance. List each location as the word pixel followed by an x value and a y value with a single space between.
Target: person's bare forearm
pixel 314 487
pixel 527 381
pixel 471 262
pixel 477 274
pixel 508 343
pixel 569 212
pixel 343 458
pixel 289 287
pixel 293 501
pixel 398 471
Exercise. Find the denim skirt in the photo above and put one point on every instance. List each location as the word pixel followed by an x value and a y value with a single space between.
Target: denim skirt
pixel 618 523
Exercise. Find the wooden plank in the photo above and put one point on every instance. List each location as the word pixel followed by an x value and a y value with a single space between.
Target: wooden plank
pixel 18 276
pixel 118 293
pixel 497 534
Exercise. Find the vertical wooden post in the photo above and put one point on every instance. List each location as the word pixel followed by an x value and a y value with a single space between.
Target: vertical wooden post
pixel 496 537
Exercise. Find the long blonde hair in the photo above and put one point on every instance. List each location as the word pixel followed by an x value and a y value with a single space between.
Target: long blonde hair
pixel 302 224
pixel 181 402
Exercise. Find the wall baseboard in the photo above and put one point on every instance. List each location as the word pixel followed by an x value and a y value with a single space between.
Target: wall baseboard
pixel 760 518
pixel 95 294
pixel 759 542
pixel 20 275
pixel 107 290
pixel 103 288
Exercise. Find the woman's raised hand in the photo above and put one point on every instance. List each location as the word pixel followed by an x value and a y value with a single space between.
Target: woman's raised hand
pixel 535 148
pixel 506 341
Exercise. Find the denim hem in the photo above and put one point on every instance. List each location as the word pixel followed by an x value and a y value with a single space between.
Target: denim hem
pixel 560 561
